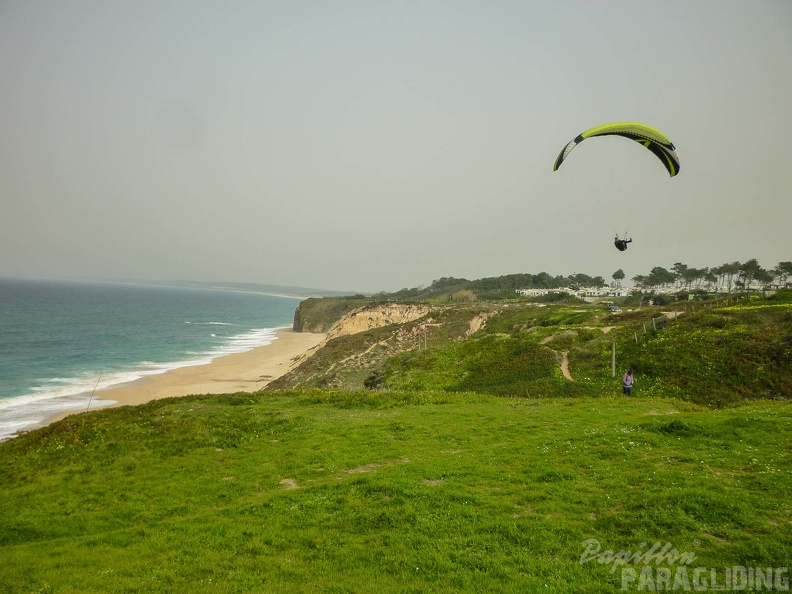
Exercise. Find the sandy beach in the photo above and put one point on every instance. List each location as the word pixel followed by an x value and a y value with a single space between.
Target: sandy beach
pixel 238 372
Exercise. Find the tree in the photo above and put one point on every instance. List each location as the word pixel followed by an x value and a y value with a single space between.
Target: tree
pixel 618 276
pixel 711 276
pixel 749 271
pixel 696 275
pixel 659 277
pixel 727 272
pixel 782 272
pixel 680 270
pixel 764 278
pixel 688 276
pixel 578 280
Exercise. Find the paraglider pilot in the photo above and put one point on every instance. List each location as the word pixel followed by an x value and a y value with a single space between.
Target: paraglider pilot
pixel 621 244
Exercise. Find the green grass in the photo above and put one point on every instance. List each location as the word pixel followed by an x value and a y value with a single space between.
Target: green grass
pixel 396 491
pixel 530 317
pixel 717 358
pixel 494 364
pixel 474 467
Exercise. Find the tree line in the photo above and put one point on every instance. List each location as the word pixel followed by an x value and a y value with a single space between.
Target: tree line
pixel 498 287
pixel 681 276
pixel 740 275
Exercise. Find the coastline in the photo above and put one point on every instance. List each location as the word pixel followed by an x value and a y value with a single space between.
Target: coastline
pixel 237 372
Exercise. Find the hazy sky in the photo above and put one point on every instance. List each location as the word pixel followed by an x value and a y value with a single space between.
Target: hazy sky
pixel 364 145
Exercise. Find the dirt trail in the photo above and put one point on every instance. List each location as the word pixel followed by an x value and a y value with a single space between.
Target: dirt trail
pixel 565 365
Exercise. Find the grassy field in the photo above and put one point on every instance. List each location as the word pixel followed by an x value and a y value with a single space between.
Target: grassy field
pixel 389 491
pixel 473 466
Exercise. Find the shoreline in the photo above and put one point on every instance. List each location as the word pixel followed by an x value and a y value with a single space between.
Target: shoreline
pixel 236 372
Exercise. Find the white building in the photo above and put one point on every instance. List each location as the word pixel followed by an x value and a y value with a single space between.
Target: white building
pixel 587 293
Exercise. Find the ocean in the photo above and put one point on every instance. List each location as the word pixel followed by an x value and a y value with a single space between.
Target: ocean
pixel 62 340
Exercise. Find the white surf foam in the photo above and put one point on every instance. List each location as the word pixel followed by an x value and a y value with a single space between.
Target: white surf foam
pixel 59 395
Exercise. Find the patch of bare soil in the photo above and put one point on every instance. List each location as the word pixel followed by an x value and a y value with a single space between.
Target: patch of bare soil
pixel 364 468
pixel 372 467
pixel 289 484
pixel 565 365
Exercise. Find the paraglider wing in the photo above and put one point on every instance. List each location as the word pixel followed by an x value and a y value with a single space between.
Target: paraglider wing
pixel 654 140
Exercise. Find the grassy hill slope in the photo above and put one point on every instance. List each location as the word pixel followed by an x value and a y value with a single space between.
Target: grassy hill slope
pixel 716 353
pixel 474 465
pixel 387 491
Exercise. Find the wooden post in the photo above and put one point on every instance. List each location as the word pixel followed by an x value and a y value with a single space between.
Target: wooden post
pixel 653 324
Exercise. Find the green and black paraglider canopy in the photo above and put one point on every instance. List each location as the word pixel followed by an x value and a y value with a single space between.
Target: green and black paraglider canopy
pixel 654 140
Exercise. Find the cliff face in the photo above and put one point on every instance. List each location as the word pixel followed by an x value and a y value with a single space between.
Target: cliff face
pixel 368 318
pixel 342 317
pixel 319 315
pixel 360 339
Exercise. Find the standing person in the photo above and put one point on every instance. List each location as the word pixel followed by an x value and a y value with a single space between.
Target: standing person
pixel 627 383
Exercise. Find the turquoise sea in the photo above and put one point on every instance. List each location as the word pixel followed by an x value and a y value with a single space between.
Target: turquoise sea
pixel 62 340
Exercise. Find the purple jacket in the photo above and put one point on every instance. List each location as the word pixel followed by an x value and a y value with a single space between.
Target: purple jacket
pixel 627 380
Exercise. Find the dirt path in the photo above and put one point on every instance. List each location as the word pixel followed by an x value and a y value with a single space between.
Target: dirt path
pixel 565 354
pixel 565 365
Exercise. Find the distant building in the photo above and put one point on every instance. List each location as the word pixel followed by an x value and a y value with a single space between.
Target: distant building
pixel 594 293
pixel 587 293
